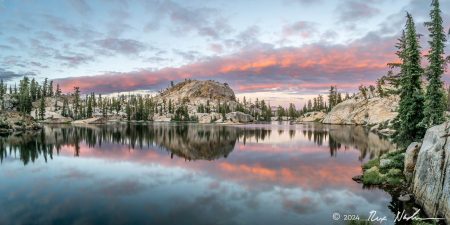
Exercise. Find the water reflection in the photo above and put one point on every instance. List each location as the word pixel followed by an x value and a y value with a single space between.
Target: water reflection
pixel 187 174
pixel 188 141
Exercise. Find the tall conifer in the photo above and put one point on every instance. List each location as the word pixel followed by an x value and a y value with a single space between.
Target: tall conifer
pixel 410 115
pixel 435 104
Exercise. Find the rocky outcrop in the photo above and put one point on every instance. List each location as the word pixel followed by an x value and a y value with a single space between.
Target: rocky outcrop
pixel 431 182
pixel 95 120
pixel 16 122
pixel 196 90
pixel 162 118
pixel 239 117
pixel 208 117
pixel 360 111
pixel 312 117
pixel 410 160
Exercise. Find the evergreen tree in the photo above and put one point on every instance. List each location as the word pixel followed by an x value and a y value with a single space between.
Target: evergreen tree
pixel 24 97
pixel 56 105
pixel 331 98
pixel 44 88
pixel 76 102
pixel 42 109
pixel 89 108
pixel 50 89
pixel 33 89
pixel 58 91
pixel 2 94
pixel 65 112
pixel 292 111
pixel 435 98
pixel 280 113
pixel 128 110
pixel 363 90
pixel 408 122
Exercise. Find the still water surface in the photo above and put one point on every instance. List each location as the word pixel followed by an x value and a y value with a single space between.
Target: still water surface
pixel 165 173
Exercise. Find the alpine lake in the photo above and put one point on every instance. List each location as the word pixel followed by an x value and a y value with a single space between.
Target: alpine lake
pixel 186 173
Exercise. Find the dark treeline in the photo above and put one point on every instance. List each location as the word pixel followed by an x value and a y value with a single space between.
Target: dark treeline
pixel 188 141
pixel 26 93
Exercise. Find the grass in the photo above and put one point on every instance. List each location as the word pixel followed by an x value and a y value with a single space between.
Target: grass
pixel 394 177
pixel 392 174
pixel 371 163
pixel 372 176
pixel 397 159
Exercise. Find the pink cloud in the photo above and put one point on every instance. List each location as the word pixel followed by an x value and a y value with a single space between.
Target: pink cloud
pixel 312 66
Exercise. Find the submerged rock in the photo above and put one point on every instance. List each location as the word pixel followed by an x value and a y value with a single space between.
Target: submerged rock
pixel 431 182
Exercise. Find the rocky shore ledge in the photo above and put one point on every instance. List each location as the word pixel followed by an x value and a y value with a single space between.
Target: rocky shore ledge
pixel 421 173
pixel 15 122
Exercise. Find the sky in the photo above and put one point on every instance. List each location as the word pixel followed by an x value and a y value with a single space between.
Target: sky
pixel 281 51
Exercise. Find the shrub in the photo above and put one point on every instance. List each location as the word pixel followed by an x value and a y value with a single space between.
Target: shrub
pixel 371 163
pixel 372 176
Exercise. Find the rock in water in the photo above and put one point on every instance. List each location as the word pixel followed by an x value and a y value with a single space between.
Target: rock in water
pixel 405 198
pixel 410 160
pixel 431 182
pixel 358 178
pixel 239 117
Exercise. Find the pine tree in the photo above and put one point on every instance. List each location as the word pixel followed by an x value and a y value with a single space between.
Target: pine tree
pixel 50 89
pixel 331 98
pixel 58 91
pixel 280 113
pixel 42 109
pixel 44 88
pixel 410 114
pixel 33 89
pixel 24 97
pixel 128 110
pixel 292 111
pixel 435 98
pixel 65 108
pixel 89 108
pixel 2 94
pixel 76 102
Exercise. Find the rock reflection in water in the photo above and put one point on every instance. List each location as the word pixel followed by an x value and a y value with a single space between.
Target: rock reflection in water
pixel 343 137
pixel 188 141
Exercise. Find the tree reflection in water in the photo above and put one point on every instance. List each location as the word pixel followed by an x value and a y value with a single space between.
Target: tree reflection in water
pixel 188 141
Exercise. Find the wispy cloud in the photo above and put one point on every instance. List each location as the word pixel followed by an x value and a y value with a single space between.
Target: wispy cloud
pixel 310 67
